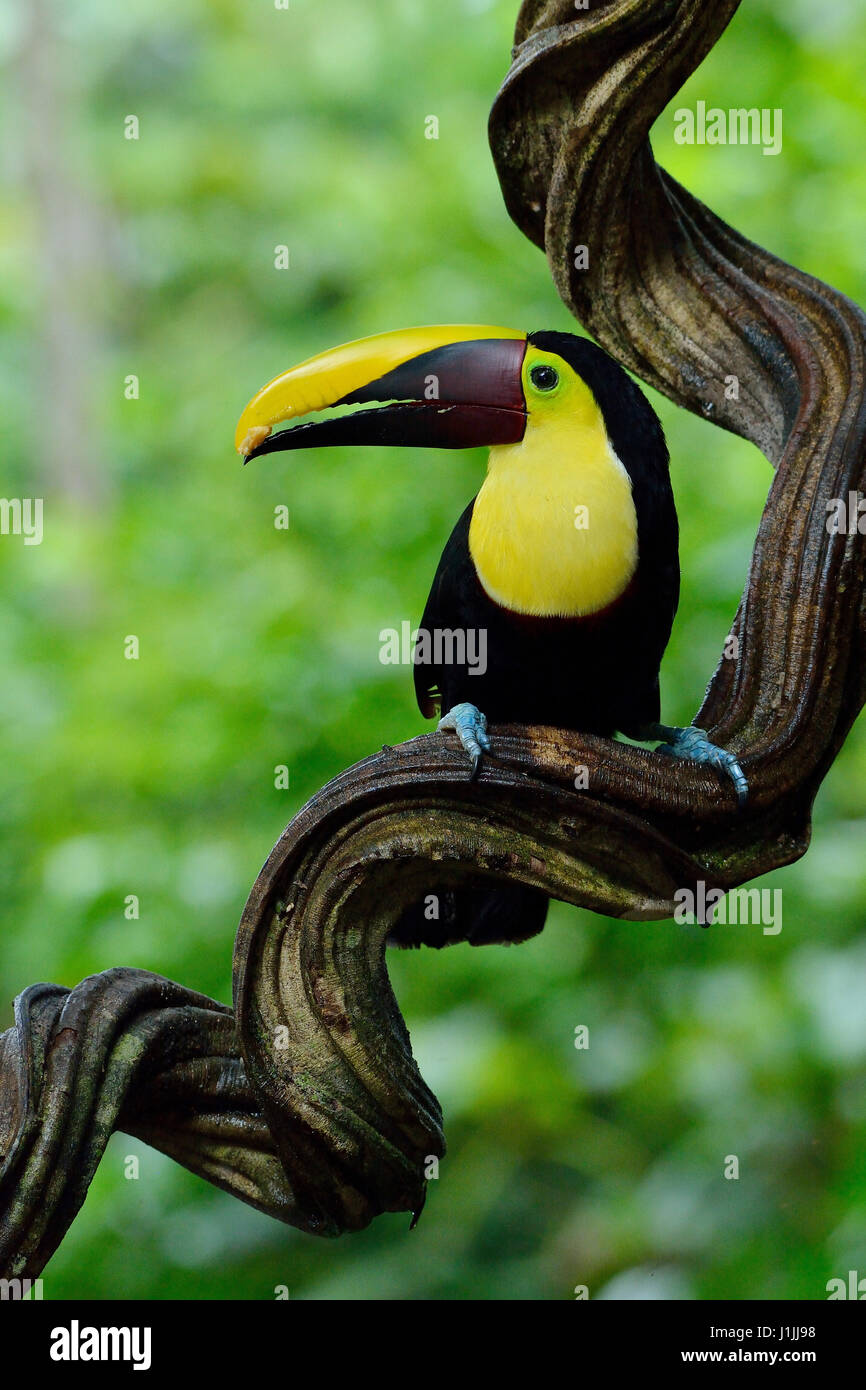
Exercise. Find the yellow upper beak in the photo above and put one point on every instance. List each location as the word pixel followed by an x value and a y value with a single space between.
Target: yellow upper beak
pixel 324 380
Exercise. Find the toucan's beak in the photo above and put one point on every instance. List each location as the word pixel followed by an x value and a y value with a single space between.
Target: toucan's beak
pixel 448 388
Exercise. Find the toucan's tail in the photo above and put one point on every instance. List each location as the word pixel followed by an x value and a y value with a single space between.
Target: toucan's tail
pixel 483 916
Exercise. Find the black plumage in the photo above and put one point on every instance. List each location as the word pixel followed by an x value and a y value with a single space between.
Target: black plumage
pixel 598 674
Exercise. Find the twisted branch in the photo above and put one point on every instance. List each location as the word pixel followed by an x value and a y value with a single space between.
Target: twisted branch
pixel 685 301
pixel 307 1101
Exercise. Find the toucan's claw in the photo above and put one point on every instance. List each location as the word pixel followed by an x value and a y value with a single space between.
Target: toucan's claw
pixel 694 745
pixel 470 726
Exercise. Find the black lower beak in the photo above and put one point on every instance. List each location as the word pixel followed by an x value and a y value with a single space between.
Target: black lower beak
pixel 417 425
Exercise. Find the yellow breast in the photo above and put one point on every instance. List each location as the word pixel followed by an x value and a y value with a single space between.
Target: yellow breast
pixel 554 528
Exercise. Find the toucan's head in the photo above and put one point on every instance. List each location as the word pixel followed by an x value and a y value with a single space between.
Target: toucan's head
pixel 451 387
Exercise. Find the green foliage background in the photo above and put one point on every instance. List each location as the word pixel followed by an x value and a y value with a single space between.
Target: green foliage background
pixel 258 647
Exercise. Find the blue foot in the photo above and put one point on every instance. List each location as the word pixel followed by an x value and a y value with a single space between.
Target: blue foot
pixel 470 726
pixel 692 744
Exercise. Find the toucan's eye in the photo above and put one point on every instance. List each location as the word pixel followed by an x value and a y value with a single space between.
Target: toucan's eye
pixel 544 378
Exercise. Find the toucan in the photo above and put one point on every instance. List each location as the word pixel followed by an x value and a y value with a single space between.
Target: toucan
pixel 564 568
